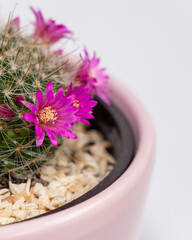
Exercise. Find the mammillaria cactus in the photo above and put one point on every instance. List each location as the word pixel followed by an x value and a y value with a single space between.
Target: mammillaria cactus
pixel 42 95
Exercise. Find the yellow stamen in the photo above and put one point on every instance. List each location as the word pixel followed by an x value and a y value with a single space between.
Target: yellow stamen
pixel 76 103
pixel 47 115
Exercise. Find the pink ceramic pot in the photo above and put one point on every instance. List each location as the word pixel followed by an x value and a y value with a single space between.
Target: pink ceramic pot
pixel 113 214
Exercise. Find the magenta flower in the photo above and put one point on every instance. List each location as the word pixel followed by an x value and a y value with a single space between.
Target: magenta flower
pixel 47 30
pixel 53 114
pixel 15 24
pixel 93 77
pixel 82 102
pixel 18 100
pixel 6 111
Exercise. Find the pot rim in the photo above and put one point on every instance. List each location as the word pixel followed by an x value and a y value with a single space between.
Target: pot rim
pixel 144 135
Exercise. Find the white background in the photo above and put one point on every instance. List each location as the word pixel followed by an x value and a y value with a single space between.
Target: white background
pixel 147 45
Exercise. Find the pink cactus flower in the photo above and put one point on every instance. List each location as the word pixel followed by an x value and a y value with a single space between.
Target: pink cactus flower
pixel 93 77
pixel 47 30
pixel 18 100
pixel 53 114
pixel 82 102
pixel 6 111
pixel 15 24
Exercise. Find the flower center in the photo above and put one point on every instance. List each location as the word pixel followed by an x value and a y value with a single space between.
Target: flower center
pixel 47 115
pixel 76 103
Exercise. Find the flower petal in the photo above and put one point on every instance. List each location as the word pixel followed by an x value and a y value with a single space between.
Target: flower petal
pixel 40 138
pixel 84 121
pixel 39 98
pixel 52 137
pixel 49 96
pixel 59 95
pixel 30 117
pixel 64 132
pixel 31 106
pixel 38 130
pixel 69 89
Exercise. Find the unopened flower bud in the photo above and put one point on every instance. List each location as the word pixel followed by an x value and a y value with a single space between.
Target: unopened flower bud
pixel 15 24
pixel 6 111
pixel 18 100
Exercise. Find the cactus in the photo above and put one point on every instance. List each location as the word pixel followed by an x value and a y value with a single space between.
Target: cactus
pixel 24 68
pixel 28 67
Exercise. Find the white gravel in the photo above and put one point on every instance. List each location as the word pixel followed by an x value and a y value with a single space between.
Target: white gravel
pixel 78 166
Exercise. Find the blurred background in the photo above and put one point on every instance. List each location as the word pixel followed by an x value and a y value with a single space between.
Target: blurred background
pixel 147 45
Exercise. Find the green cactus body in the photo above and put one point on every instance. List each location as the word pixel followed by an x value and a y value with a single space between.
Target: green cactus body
pixel 24 68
